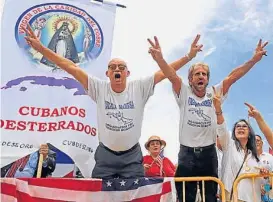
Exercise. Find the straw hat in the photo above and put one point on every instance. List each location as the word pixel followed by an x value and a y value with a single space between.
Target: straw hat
pixel 155 138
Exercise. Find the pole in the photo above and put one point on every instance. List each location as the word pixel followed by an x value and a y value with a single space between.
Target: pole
pixel 118 5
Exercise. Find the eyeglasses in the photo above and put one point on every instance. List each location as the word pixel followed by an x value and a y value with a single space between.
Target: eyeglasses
pixel 121 67
pixel 244 126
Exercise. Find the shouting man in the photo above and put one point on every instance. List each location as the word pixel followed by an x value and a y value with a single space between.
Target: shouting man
pixel 120 107
pixel 197 135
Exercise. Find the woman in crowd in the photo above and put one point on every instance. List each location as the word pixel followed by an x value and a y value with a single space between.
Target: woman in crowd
pixel 240 154
pixel 155 164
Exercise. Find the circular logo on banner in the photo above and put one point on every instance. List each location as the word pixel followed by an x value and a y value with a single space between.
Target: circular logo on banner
pixel 65 29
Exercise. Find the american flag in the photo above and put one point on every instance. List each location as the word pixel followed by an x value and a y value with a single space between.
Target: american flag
pixel 64 164
pixel 159 161
pixel 87 190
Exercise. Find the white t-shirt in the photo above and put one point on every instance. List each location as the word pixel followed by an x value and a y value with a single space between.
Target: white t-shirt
pixel 231 163
pixel 197 127
pixel 120 115
pixel 266 161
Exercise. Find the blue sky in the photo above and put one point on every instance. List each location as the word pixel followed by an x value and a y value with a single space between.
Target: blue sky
pixel 235 32
pixel 229 32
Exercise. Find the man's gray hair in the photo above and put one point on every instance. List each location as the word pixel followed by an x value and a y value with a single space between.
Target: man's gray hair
pixel 190 74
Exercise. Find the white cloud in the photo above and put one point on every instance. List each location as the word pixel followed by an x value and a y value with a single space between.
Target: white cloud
pixel 1 7
pixel 209 51
pixel 247 18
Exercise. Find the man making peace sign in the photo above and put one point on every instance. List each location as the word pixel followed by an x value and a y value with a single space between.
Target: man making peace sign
pixel 197 135
pixel 120 107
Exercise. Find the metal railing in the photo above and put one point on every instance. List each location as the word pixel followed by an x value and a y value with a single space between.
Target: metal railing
pixel 247 176
pixel 203 179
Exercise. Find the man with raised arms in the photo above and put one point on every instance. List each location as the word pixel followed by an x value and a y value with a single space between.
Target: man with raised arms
pixel 120 106
pixel 197 135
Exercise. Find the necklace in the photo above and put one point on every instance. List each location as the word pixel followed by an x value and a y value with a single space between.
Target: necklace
pixel 247 168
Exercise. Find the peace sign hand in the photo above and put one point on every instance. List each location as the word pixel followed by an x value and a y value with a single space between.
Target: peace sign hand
pixel 195 48
pixel 31 39
pixel 260 51
pixel 217 99
pixel 155 50
pixel 252 111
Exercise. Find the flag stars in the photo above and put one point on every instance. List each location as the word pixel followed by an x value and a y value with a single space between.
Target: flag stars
pixel 122 183
pixel 136 181
pixel 108 184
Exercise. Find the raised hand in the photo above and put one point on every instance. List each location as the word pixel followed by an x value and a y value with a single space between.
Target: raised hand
pixel 264 171
pixel 31 39
pixel 259 51
pixel 252 111
pixel 155 50
pixel 147 167
pixel 217 100
pixel 195 48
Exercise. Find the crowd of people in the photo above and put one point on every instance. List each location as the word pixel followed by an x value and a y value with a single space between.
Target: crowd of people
pixel 206 147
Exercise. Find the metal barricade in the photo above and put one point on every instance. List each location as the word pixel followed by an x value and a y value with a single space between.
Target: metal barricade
pixel 245 176
pixel 203 179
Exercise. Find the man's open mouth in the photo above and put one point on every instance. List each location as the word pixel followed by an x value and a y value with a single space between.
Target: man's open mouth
pixel 117 75
pixel 200 83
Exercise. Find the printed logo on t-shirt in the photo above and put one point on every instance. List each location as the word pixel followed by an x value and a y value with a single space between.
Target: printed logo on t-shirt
pixel 123 123
pixel 267 164
pixel 119 117
pixel 128 105
pixel 205 103
pixel 203 120
pixel 200 113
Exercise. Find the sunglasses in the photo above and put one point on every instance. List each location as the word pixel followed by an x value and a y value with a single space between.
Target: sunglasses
pixel 121 67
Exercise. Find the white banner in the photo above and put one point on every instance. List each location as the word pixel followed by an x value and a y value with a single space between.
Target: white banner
pixel 39 102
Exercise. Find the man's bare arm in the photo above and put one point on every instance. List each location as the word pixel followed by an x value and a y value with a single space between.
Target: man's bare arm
pixel 240 71
pixel 176 65
pixel 170 73
pixel 266 130
pixel 65 64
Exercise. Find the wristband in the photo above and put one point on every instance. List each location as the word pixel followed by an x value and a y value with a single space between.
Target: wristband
pixel 219 113
pixel 189 58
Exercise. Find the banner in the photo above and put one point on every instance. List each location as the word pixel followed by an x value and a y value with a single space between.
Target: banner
pixel 40 103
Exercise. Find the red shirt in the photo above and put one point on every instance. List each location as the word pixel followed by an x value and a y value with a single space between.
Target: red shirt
pixel 154 171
